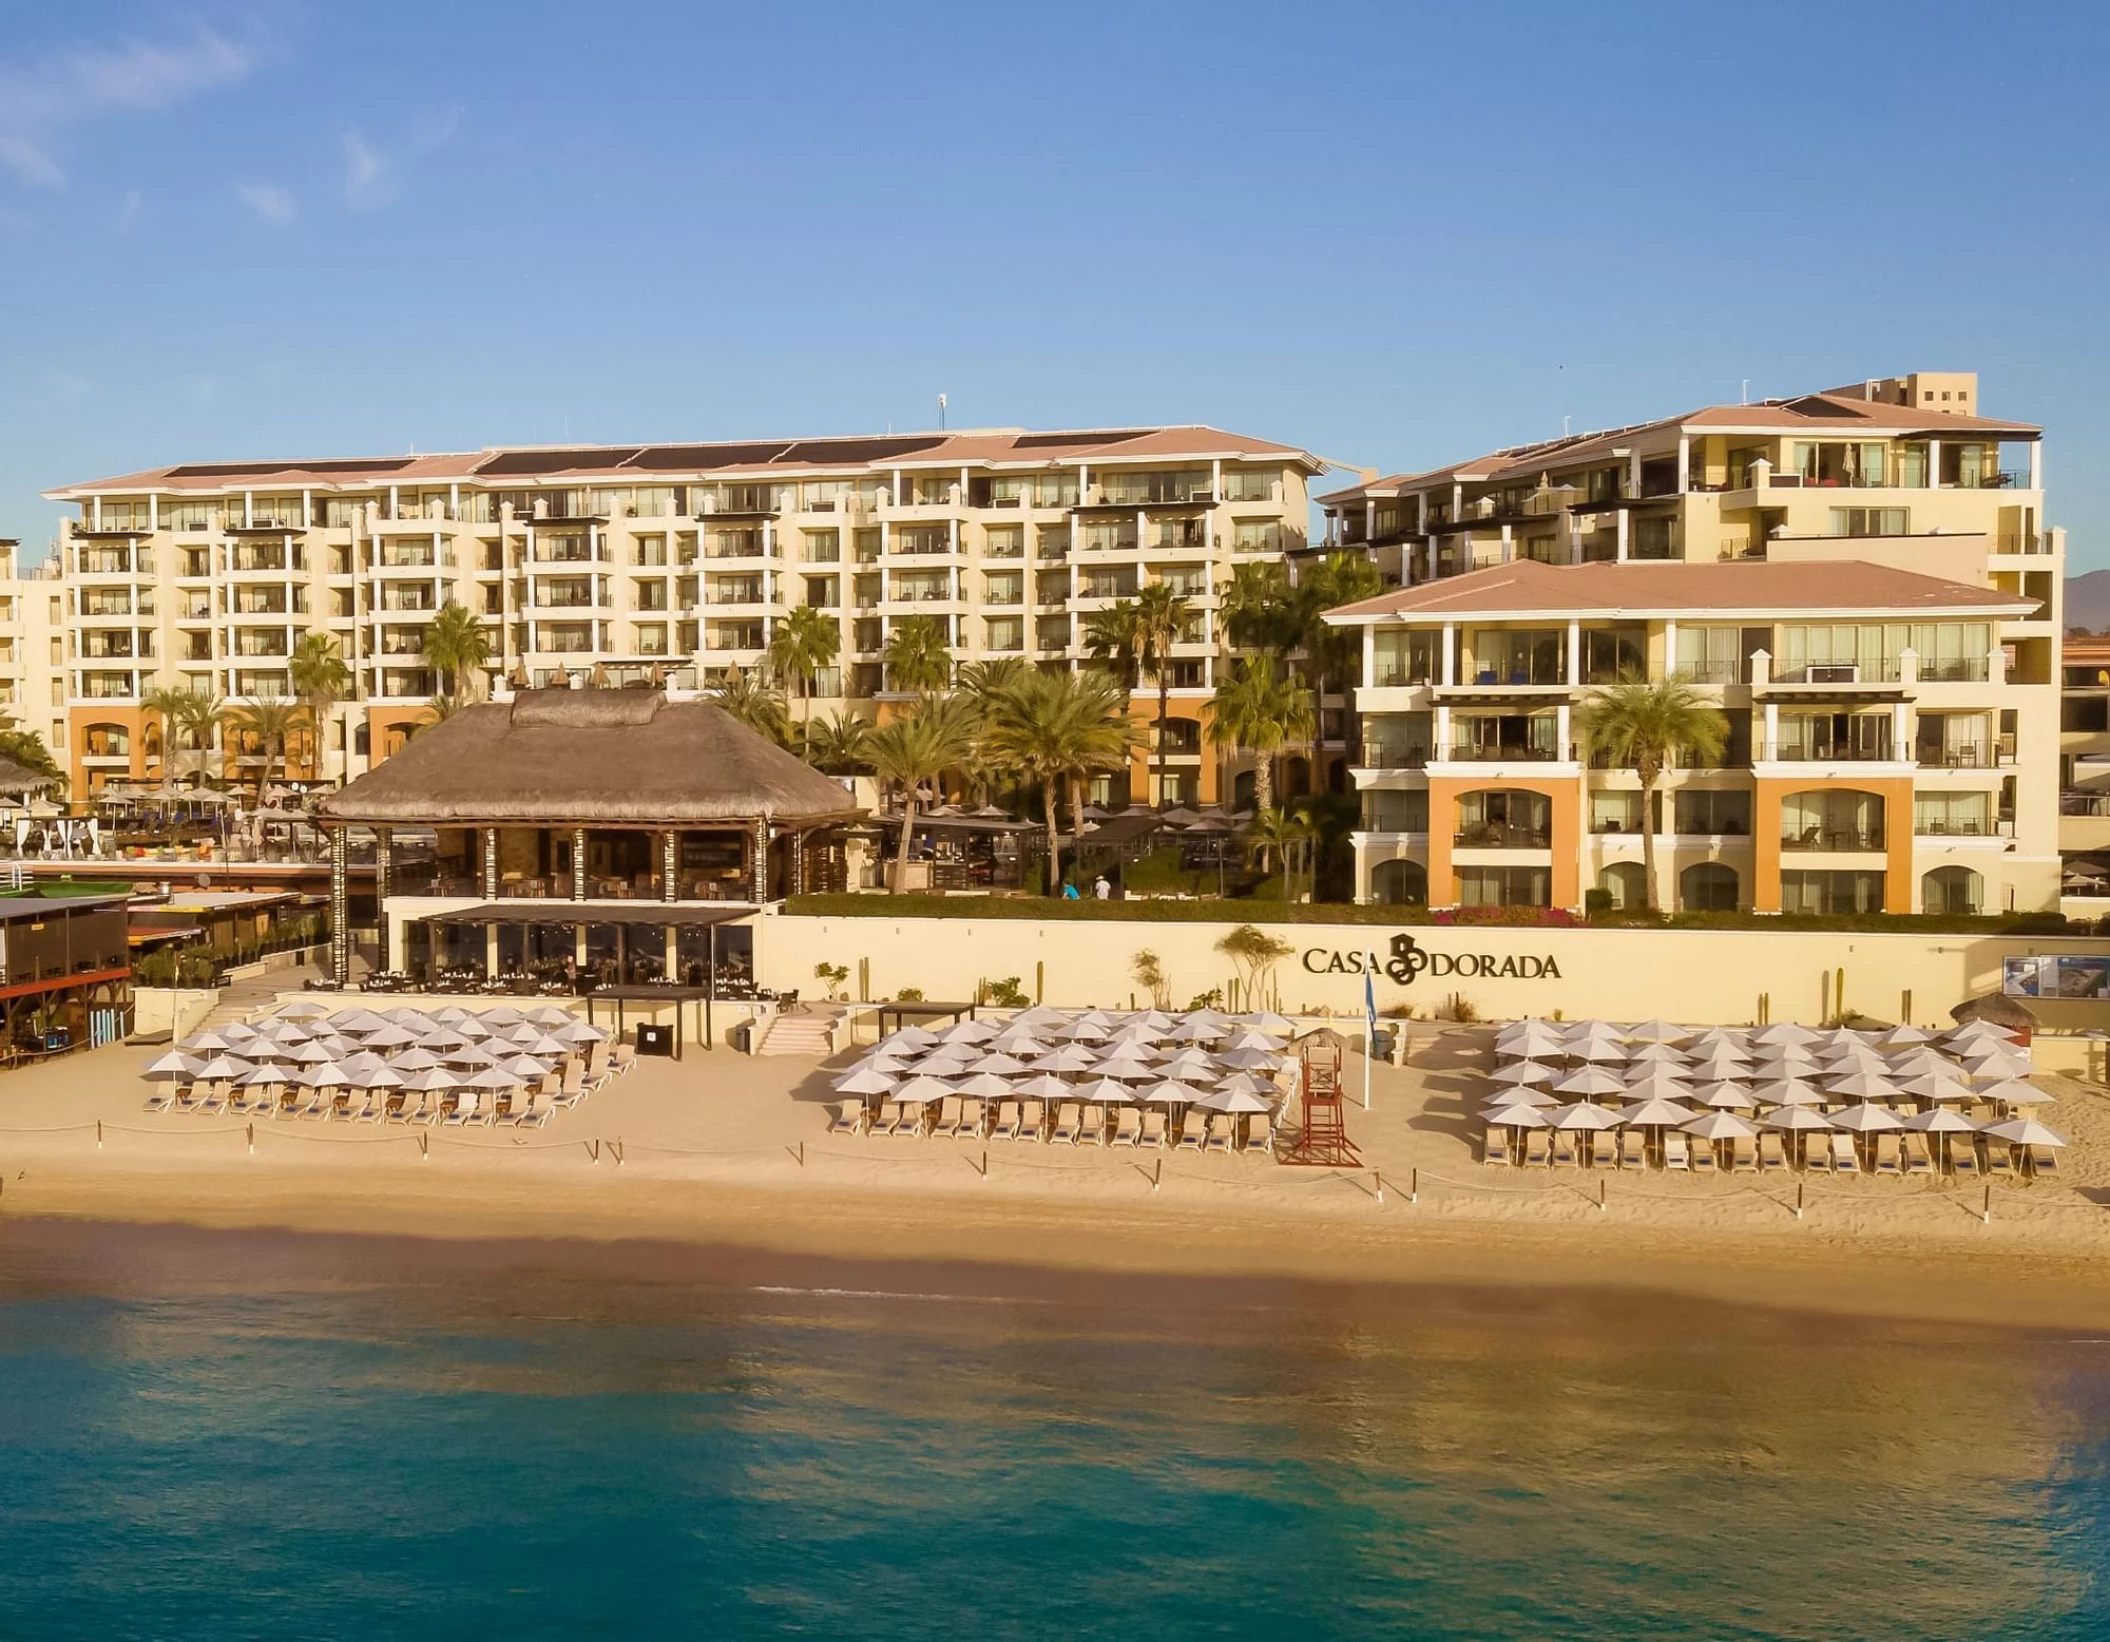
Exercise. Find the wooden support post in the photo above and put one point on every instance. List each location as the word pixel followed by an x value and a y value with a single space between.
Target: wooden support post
pixel 252 1137
pixel 1799 1187
pixel 1600 1194
pixel 1987 1215
pixel 99 1135
pixel 1157 1173
pixel 1414 1186
pixel 1379 1175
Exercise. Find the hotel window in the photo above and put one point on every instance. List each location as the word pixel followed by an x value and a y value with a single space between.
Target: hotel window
pixel 1711 655
pixel 1009 588
pixel 821 592
pixel 922 539
pixel 1954 891
pixel 1004 542
pixel 1250 484
pixel 1870 521
pixel 1703 813
pixel 824 546
pixel 651 550
pixel 1615 812
pixel 826 496
pixel 1053 542
pixel 1830 892
pixel 652 639
pixel 1832 819
pixel 1108 535
pixel 1005 633
pixel 1612 653
pixel 1403 658
pixel 1505 886
pixel 187 516
pixel 1854 463
pixel 922 587
pixel 866 544
pixel 1953 814
pixel 736 635
pixel 651 595
pixel 1190 581
pixel 1506 655
pixel 1395 811
pixel 1257 536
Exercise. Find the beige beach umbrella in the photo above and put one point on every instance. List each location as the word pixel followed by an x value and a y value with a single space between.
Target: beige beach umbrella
pixel 1725 1097
pixel 530 1068
pixel 1719 1126
pixel 1788 1092
pixel 1172 1092
pixel 1040 1016
pixel 1978 1031
pixel 1708 1039
pixel 376 1076
pixel 2013 1092
pixel 1528 1038
pixel 1903 1037
pixel 175 1064
pixel 1040 1086
pixel 1940 1121
pixel 1259 1060
pixel 1515 1117
pixel 997 1064
pixel 1795 1118
pixel 1781 1033
pixel 1583 1114
pixel 209 1043
pixel 330 1076
pixel 864 1081
pixel 1866 1119
pixel 988 1086
pixel 1657 1082
pixel 1657 1031
pixel 1070 1058
pixel 264 1077
pixel 1085 1029
pixel 1266 1020
pixel 1587 1081
pixel 1858 1085
pixel 1922 1087
pixel 909 1037
pixel 1020 1046
pixel 414 1059
pixel 1524 1072
pixel 1191 1030
pixel 1657 1112
pixel 2024 1131
pixel 1237 1102
pixel 434 1080
pixel 1920 1061
pixel 1996 1068
pixel 1190 1063
pixel 1100 1092
pixel 223 1069
pixel 1523 1097
pixel 1718 1065
pixel 923 1090
pixel 1656 1054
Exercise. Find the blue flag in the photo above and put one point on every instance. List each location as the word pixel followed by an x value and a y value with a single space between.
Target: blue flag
pixel 1370 996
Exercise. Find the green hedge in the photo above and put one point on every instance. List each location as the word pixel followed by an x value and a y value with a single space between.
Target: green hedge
pixel 1259 911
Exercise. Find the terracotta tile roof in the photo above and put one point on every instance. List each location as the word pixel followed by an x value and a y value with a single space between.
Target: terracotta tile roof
pixel 523 467
pixel 1756 587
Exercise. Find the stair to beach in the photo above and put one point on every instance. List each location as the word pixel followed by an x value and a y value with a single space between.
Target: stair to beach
pixel 806 1033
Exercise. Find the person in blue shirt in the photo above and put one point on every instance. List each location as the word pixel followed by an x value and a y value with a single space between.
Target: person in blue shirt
pixel 1069 893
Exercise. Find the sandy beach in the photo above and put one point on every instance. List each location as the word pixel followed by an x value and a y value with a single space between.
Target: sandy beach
pixel 731 1152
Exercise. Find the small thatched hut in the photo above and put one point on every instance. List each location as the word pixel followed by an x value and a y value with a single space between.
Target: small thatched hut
pixel 19 780
pixel 1997 1009
pixel 605 798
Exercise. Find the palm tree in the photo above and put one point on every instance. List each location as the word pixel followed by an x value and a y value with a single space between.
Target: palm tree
pixel 836 744
pixel 456 645
pixel 1049 726
pixel 1139 633
pixel 916 746
pixel 166 703
pixel 27 749
pixel 1642 724
pixel 804 642
pixel 1259 709
pixel 1333 655
pixel 320 678
pixel 982 680
pixel 270 723
pixel 755 702
pixel 919 655
pixel 1279 832
pixel 1259 609
pixel 199 714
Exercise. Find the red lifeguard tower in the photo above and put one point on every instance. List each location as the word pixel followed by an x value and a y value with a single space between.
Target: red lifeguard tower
pixel 1322 1139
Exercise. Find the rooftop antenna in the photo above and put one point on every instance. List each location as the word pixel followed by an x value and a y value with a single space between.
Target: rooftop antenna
pixel 941 413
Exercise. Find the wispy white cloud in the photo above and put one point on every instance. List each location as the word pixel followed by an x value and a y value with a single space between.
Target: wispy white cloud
pixel 373 172
pixel 274 205
pixel 128 210
pixel 87 81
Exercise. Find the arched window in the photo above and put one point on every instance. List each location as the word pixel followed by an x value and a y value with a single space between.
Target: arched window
pixel 106 741
pixel 1624 881
pixel 1399 884
pixel 362 739
pixel 1707 886
pixel 1953 890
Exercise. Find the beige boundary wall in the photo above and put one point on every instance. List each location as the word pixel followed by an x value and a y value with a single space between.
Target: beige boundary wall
pixel 1696 976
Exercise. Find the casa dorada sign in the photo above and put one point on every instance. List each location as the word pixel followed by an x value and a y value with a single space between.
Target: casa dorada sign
pixel 1406 959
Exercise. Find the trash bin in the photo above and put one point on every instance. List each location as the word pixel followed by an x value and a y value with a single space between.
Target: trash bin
pixel 1382 1042
pixel 655 1040
pixel 741 1038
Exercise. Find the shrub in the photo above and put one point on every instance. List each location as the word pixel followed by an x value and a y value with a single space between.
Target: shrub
pixel 1211 999
pixel 909 994
pixel 1149 974
pixel 1597 901
pixel 1004 994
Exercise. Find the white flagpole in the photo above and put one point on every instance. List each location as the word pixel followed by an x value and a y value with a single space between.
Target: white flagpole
pixel 1369 1021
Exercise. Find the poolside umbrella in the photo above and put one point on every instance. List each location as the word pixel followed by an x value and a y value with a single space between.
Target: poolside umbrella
pixel 1903 1037
pixel 1528 1037
pixel 264 1077
pixel 1194 1031
pixel 330 1076
pixel 1923 1062
pixel 2013 1092
pixel 1866 1119
pixel 1788 1092
pixel 1189 1063
pixel 1172 1092
pixel 1523 1097
pixel 2025 1131
pixel 1725 1097
pixel 1655 1054
pixel 1583 1114
pixel 1085 1030
pixel 1261 1060
pixel 1234 1101
pixel 1858 1085
pixel 862 1080
pixel 1657 1112
pixel 1524 1071
pixel 1590 1080
pixel 376 1076
pixel 1071 1057
pixel 998 1064
pixel 1655 1083
pixel 1783 1032
pixel 1656 1031
pixel 1041 1086
pixel 1514 1117
pixel 1266 1020
pixel 415 1059
pixel 986 1086
pixel 1019 1045
pixel 211 1042
pixel 1995 1066
pixel 1719 1126
pixel 1795 1117
pixel 174 1064
pixel 921 1091
pixel 220 1069
pixel 1100 1091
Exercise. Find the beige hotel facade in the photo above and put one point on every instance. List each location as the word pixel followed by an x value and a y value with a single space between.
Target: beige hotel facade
pixel 674 561
pixel 1862 579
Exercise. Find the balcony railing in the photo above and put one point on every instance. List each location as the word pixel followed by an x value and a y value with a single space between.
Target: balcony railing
pixel 1967 827
pixel 2075 801
pixel 1394 755
pixel 1799 752
pixel 1473 754
pixel 1837 840
pixel 1501 835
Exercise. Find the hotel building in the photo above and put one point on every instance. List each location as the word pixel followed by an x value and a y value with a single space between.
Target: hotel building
pixel 1858 578
pixel 668 561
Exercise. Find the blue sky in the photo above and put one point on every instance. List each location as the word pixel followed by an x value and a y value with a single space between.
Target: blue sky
pixel 1391 234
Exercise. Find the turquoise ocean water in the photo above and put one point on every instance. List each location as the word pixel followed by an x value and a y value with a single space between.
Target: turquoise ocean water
pixel 235 1436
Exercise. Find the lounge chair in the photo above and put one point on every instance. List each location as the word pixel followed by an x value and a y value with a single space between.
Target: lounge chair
pixel 1069 1123
pixel 914 1119
pixel 1009 1121
pixel 1963 1156
pixel 1033 1120
pixel 948 1123
pixel 411 1109
pixel 1220 1134
pixel 1260 1134
pixel 465 1110
pixel 1772 1154
pixel 2043 1162
pixel 889 1115
pixel 1999 1160
pixel 1154 1128
pixel 1633 1149
pixel 1677 1151
pixel 1538 1151
pixel 1703 1158
pixel 1604 1149
pixel 161 1100
pixel 1816 1154
pixel 1887 1160
pixel 1743 1154
pixel 1128 1127
pixel 1564 1148
pixel 1494 1145
pixel 540 1110
pixel 1194 1129
pixel 973 1118
pixel 355 1109
pixel 849 1118
pixel 1845 1160
pixel 624 1058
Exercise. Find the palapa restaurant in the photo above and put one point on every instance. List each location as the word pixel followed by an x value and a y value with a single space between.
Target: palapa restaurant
pixel 619 838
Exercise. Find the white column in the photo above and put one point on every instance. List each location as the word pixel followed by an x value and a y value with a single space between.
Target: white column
pixel 153 510
pixel 1442 749
pixel 1508 546
pixel 1670 648
pixel 393 500
pixel 1622 522
pixel 1369 519
pixel 248 507
pixel 1633 473
pixel 2036 464
pixel 1934 464
pixel 1772 746
pixel 1450 653
pixel 1684 463
pixel 952 533
pixel 1574 654
pixel 95 512
pixel 1900 744
pixel 1369 653
pixel 1562 716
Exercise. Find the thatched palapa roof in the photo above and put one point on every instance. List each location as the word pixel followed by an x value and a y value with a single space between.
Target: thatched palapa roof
pixel 590 758
pixel 20 778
